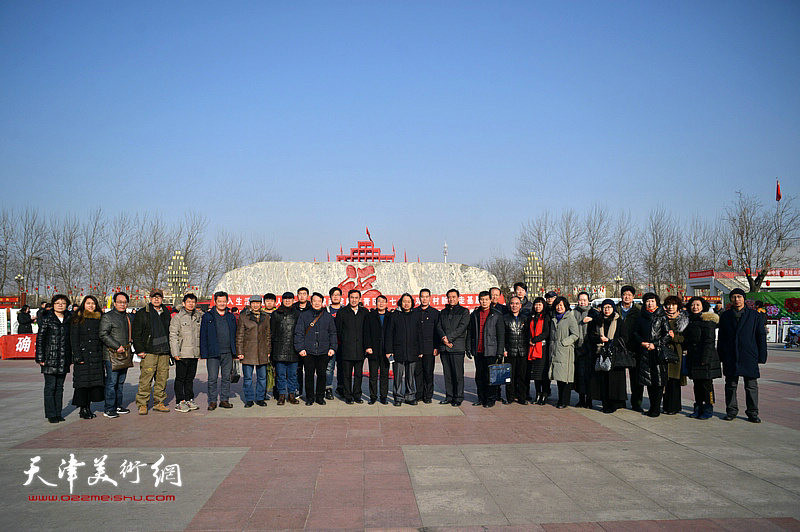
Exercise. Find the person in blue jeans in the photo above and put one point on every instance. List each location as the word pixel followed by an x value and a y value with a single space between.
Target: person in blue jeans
pixel 217 345
pixel 283 355
pixel 253 345
pixel 116 334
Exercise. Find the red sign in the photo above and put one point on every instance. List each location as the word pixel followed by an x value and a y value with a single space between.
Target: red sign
pixel 701 274
pixel 438 301
pixel 18 346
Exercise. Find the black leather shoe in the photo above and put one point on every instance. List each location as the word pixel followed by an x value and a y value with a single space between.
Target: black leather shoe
pixel 52 419
pixel 261 403
pixel 329 394
pixel 348 401
pixel 729 417
pixel 523 402
pixel 413 402
pixel 248 404
pixel 372 401
pixel 427 401
pixel 384 401
pixel 456 403
pixel 477 403
pixel 398 403
pixel 637 408
pixel 445 402
pixel 754 419
pixel 359 401
pixel 561 406
pixel 309 403
pixel 60 418
pixel 321 402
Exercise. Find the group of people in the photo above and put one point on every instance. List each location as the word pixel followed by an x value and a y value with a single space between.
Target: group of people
pixel 305 344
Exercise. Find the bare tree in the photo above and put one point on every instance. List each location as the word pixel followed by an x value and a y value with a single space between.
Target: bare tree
pixel 92 237
pixel 7 238
pixel 624 249
pixel 156 245
pixel 760 237
pixel 598 244
pixel 119 247
pixel 261 250
pixel 30 242
pixel 569 235
pixel 193 232
pixel 64 253
pixel 507 271
pixel 536 235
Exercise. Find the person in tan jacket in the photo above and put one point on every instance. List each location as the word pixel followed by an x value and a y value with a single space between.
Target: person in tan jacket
pixel 253 343
pixel 184 344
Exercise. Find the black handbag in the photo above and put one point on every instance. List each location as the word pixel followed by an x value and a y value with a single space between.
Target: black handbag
pixel 621 357
pixel 668 355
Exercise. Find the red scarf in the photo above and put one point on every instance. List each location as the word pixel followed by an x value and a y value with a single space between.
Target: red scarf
pixel 535 351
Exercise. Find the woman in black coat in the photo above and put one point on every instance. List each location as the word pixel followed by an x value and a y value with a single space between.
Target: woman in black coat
pixel 538 353
pixel 53 354
pixel 88 376
pixel 650 338
pixel 24 320
pixel 702 358
pixel 609 327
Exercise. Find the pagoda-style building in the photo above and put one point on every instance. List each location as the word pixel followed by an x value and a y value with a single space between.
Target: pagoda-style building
pixel 365 252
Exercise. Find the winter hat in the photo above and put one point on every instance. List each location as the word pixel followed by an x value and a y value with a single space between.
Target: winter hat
pixel 608 302
pixel 255 298
pixel 737 291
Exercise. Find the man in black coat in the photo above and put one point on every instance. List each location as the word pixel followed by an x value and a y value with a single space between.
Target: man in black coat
pixel 402 343
pixel 374 342
pixel 452 332
pixel 24 320
pixel 630 312
pixel 350 331
pixel 300 306
pixel 742 346
pixel 150 333
pixel 429 343
pixel 495 293
pixel 486 341
pixel 521 291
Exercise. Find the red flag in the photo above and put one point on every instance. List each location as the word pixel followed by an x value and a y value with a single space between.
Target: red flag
pixel 778 191
pixel 417 258
pixel 341 251
pixel 393 251
pixel 329 255
pixel 368 235
pixel 405 257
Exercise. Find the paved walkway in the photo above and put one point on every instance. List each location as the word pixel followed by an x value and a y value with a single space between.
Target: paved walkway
pixel 377 466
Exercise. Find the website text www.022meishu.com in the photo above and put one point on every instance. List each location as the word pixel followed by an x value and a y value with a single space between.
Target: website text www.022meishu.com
pixel 102 498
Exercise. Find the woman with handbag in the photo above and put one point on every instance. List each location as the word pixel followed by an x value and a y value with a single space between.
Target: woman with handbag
pixel 563 335
pixel 88 372
pixel 650 338
pixel 678 320
pixel 610 336
pixel 702 358
pixel 538 359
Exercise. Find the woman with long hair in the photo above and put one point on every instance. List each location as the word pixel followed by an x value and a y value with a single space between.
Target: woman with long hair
pixel 702 358
pixel 88 373
pixel 538 359
pixel 53 354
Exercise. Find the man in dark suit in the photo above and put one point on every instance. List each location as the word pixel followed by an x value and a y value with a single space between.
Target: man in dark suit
pixel 374 342
pixel 486 341
pixel 742 346
pixel 350 330
pixel 428 316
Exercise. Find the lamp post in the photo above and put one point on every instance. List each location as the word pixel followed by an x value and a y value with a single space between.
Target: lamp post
pixel 618 281
pixel 20 279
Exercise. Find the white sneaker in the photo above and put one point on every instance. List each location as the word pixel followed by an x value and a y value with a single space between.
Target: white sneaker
pixel 192 405
pixel 182 407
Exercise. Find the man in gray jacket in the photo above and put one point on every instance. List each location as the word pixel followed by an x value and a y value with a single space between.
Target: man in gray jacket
pixel 115 333
pixel 184 344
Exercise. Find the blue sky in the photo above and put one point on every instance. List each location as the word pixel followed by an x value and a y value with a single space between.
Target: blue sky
pixel 422 120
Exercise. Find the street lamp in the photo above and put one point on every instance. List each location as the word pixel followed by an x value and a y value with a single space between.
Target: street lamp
pixel 20 279
pixel 38 261
pixel 618 281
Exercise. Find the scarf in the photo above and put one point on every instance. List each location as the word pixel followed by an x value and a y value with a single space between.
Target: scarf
pixel 157 333
pixel 536 326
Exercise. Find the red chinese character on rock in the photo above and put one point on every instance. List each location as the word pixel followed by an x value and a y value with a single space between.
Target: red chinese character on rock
pixel 360 279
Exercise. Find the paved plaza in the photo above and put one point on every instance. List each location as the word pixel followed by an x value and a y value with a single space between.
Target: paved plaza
pixel 378 466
